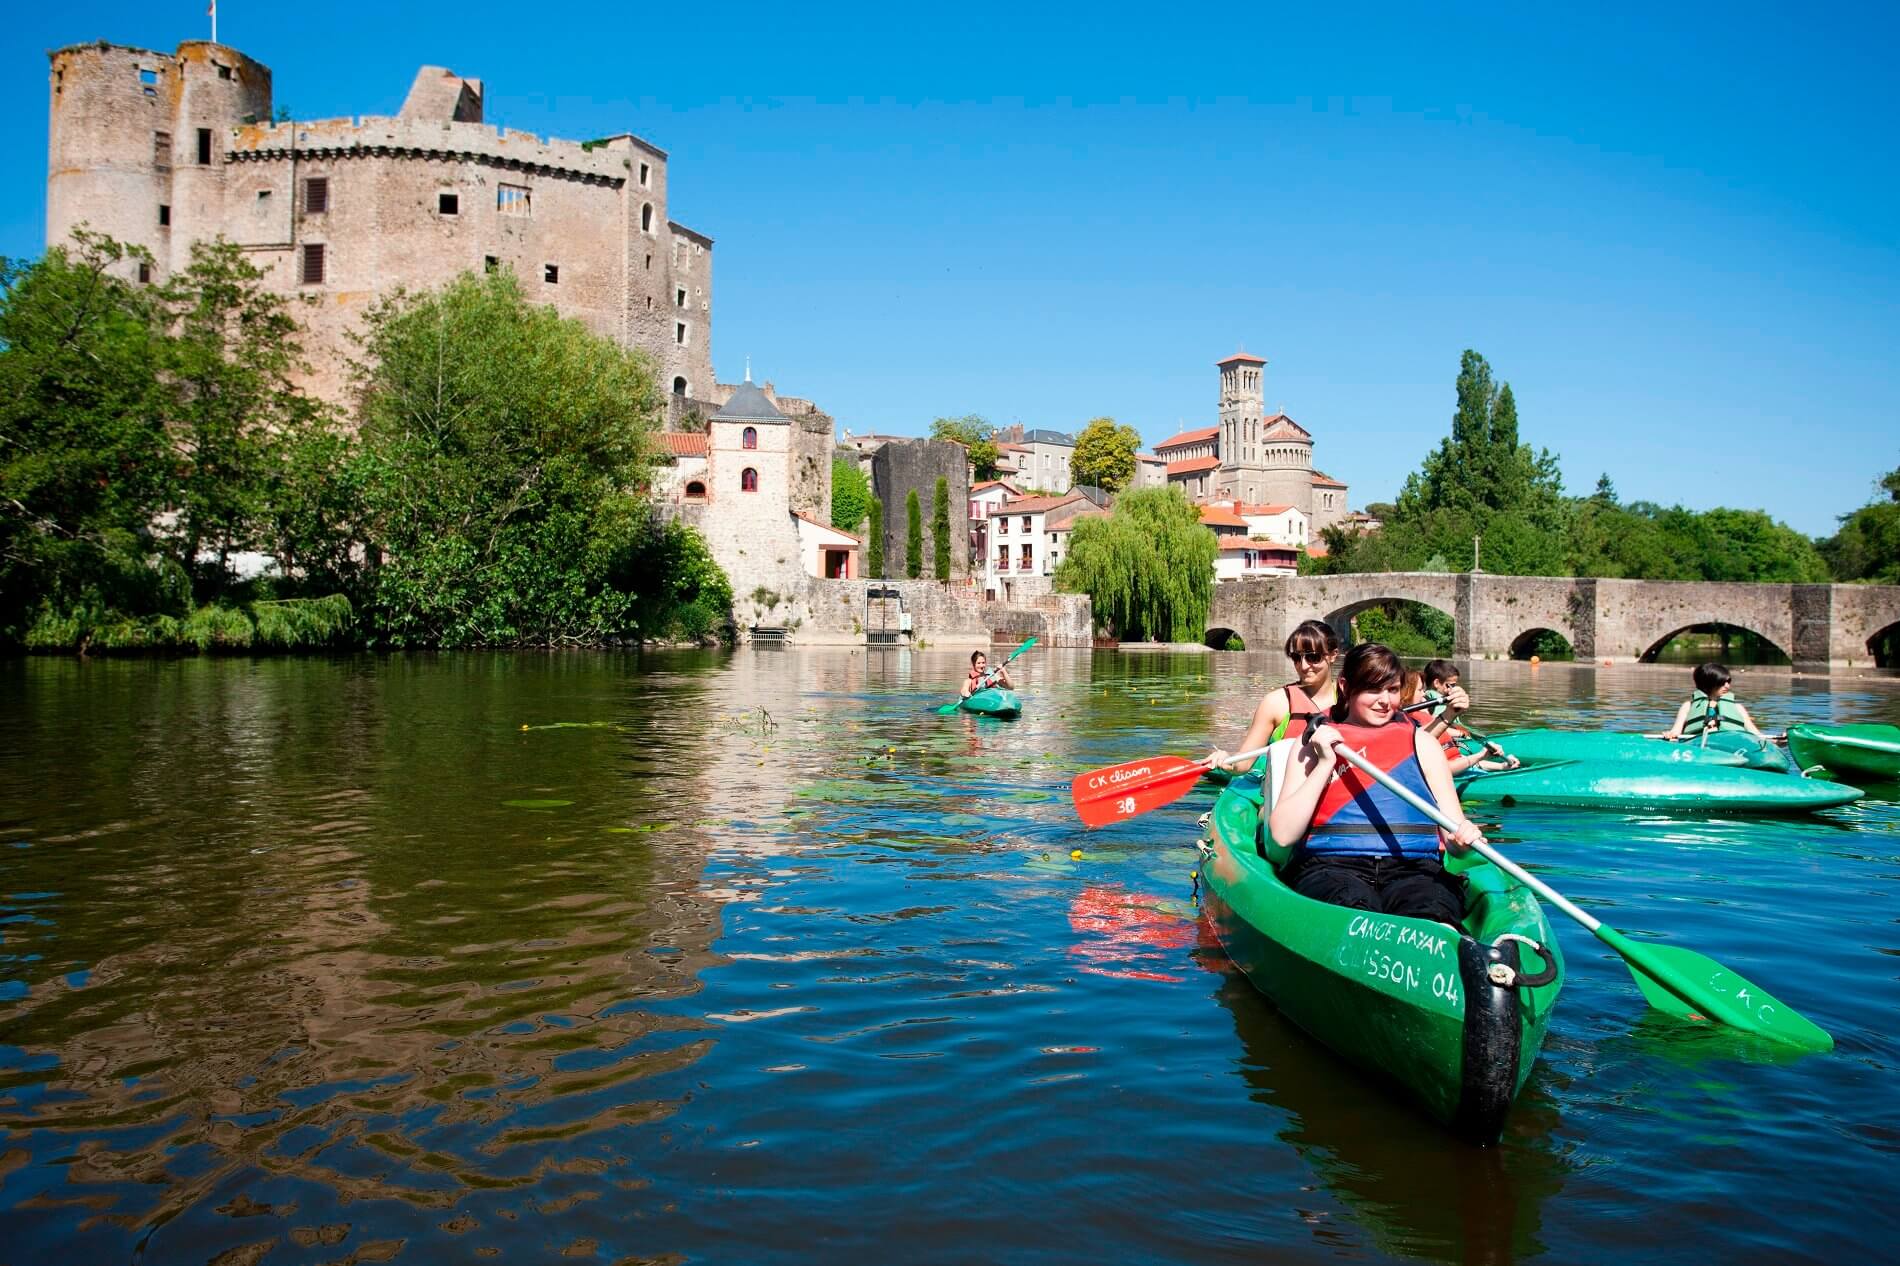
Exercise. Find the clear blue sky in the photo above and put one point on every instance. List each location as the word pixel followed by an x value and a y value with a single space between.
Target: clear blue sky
pixel 1673 233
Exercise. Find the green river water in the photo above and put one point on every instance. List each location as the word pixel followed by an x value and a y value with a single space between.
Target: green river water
pixel 752 957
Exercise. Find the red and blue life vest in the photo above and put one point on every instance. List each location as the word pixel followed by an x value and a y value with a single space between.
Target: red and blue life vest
pixel 1357 817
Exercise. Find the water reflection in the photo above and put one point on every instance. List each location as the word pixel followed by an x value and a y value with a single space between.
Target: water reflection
pixel 1416 1191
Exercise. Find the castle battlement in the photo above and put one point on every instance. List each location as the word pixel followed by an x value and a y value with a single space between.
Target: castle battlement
pixel 609 161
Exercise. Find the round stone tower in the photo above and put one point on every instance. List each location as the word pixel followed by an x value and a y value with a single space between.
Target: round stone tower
pixel 136 140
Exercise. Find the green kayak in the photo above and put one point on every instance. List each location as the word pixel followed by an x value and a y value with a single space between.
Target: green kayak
pixel 1689 787
pixel 1862 751
pixel 994 702
pixel 1404 999
pixel 1543 747
pixel 1755 753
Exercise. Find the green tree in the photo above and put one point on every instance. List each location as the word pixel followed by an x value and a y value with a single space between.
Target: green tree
pixel 1148 567
pixel 1867 546
pixel 505 454
pixel 1482 468
pixel 874 548
pixel 850 495
pixel 1105 455
pixel 83 457
pixel 230 407
pixel 940 528
pixel 913 536
pixel 973 432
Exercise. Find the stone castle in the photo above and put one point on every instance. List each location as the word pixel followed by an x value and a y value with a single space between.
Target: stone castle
pixel 166 149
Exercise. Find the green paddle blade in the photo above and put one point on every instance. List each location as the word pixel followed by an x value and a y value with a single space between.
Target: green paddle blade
pixel 948 708
pixel 1685 983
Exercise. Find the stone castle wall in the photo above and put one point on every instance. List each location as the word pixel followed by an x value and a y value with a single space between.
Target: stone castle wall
pixel 120 148
pixel 832 613
pixel 898 467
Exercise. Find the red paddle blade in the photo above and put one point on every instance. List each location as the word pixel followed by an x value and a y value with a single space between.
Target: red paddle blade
pixel 1118 792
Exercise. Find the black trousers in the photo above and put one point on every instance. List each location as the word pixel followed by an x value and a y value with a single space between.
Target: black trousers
pixel 1416 887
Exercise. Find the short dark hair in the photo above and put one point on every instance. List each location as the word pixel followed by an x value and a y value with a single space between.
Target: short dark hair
pixel 1711 677
pixel 1368 666
pixel 1312 637
pixel 1440 670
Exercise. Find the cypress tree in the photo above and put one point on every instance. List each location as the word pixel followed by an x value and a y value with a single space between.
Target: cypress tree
pixel 874 550
pixel 940 527
pixel 913 536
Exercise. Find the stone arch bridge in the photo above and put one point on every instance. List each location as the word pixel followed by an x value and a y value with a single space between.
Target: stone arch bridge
pixel 1625 621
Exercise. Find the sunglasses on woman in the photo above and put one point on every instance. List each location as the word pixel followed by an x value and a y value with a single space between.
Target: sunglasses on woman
pixel 1299 658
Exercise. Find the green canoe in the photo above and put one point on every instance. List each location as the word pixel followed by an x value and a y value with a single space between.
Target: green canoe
pixel 1862 751
pixel 1543 747
pixel 1689 787
pixel 994 702
pixel 1404 999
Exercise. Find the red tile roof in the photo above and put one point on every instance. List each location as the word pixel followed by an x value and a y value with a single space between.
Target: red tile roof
pixel 1201 436
pixel 1281 427
pixel 1254 542
pixel 827 527
pixel 1322 478
pixel 988 484
pixel 1192 466
pixel 1215 516
pixel 684 443
pixel 1039 505
pixel 1315 550
pixel 1068 524
pixel 1264 510
pixel 1246 356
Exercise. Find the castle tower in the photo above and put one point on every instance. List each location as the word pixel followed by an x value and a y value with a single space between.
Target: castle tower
pixel 1242 396
pixel 136 141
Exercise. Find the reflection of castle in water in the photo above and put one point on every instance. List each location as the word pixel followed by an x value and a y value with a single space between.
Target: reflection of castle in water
pixel 1414 1187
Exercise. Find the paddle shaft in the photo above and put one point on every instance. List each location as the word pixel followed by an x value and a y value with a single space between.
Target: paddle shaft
pixel 1489 854
pixel 1012 655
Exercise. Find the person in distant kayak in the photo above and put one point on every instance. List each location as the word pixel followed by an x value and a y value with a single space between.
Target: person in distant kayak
pixel 1712 707
pixel 982 676
pixel 1441 687
pixel 1313 648
pixel 1353 842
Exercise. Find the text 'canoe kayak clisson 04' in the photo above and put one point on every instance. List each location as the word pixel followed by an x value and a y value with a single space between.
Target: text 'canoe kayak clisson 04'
pixel 1453 1017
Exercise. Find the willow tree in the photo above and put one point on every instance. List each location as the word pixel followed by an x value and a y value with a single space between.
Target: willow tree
pixel 1148 568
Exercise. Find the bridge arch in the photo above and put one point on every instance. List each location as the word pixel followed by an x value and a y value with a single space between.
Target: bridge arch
pixel 1884 646
pixel 1656 644
pixel 1545 643
pixel 1341 618
pixel 1221 639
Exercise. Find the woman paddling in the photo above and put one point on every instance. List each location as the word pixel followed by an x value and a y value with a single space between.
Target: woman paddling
pixel 1355 843
pixel 982 676
pixel 1312 647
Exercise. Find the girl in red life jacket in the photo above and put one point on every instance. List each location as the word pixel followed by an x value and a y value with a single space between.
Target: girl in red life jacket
pixel 1355 843
pixel 1440 680
pixel 982 676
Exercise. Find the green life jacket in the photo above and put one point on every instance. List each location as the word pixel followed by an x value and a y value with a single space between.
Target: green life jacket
pixel 1724 713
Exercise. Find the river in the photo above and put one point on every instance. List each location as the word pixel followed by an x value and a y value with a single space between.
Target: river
pixel 752 957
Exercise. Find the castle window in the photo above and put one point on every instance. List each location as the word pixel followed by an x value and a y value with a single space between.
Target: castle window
pixel 679 386
pixel 224 72
pixel 748 480
pixel 551 273
pixel 646 218
pixel 649 263
pixel 490 263
pixel 513 200
pixel 313 264
pixel 263 198
pixel 679 332
pixel 749 438
pixel 204 147
pixel 145 273
pixel 316 195
pixel 164 216
pixel 162 149
pixel 695 490
pixel 448 203
pixel 643 175
pixel 679 296
pixel 147 76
